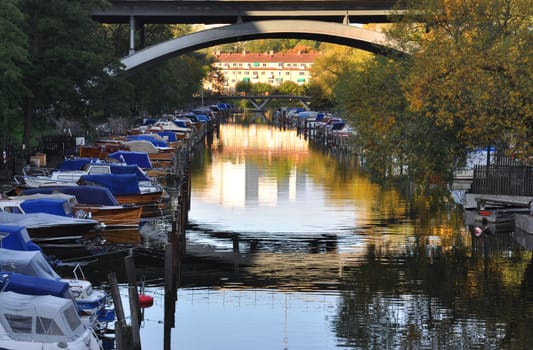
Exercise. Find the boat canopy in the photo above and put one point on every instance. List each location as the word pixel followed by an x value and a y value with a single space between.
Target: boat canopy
pixel 76 163
pixel 32 285
pixel 16 237
pixel 141 146
pixel 55 206
pixel 140 159
pixel 94 195
pixel 40 220
pixel 180 123
pixel 169 136
pixel 337 125
pixel 43 318
pixel 31 263
pixel 118 184
pixel 156 141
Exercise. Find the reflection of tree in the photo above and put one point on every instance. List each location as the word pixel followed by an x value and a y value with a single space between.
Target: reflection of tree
pixel 431 298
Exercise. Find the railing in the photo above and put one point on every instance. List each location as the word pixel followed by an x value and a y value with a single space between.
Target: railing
pixel 509 179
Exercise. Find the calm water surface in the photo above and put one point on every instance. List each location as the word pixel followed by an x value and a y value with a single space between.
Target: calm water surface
pixel 288 248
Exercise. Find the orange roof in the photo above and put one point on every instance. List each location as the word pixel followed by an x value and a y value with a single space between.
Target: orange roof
pixel 267 57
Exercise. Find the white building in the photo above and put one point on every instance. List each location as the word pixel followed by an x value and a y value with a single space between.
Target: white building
pixel 271 68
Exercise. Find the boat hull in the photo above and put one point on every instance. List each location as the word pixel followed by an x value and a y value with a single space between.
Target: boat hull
pixel 123 235
pixel 113 216
pixel 152 202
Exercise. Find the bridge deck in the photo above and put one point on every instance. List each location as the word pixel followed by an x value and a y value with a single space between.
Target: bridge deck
pixel 234 11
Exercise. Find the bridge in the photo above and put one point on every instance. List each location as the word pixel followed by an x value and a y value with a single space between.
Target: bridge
pixel 327 21
pixel 259 102
pixel 238 11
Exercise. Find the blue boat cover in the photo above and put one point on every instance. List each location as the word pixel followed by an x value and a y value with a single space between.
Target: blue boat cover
pixel 118 184
pixel 146 137
pixel 140 159
pixel 16 237
pixel 180 123
pixel 202 118
pixel 75 163
pixel 129 169
pixel 32 285
pixel 94 195
pixel 338 125
pixel 150 121
pixel 54 206
pixel 31 263
pixel 169 136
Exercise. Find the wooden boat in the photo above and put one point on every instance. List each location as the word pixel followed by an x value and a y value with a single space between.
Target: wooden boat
pixel 50 228
pixel 117 235
pixel 101 149
pixel 95 202
pixel 125 188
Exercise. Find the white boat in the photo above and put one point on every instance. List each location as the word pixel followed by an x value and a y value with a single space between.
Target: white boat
pixel 92 303
pixel 68 176
pixel 44 322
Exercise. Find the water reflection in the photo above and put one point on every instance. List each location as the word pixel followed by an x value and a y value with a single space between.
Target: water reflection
pixel 288 249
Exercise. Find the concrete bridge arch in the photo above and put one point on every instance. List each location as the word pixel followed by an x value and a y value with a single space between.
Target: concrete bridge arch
pixel 299 29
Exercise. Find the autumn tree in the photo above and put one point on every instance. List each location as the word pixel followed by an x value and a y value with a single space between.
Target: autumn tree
pixel 333 63
pixel 471 69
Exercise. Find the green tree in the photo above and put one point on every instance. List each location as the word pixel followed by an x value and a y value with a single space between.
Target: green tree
pixel 171 84
pixel 244 87
pixel 13 57
pixel 261 88
pixel 66 53
pixel 291 88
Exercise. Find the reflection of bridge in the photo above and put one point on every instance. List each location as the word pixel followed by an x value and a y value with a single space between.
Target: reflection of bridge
pixel 327 21
pixel 260 102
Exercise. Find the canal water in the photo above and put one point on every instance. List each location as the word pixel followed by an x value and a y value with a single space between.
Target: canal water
pixel 290 248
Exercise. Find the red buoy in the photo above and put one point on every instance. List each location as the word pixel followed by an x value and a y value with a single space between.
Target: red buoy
pixel 145 300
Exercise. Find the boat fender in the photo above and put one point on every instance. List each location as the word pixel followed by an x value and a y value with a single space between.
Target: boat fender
pixel 146 300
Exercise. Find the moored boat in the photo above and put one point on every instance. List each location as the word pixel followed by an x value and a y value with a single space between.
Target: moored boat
pixel 92 303
pixel 50 228
pixel 98 203
pixel 42 322
pixel 125 188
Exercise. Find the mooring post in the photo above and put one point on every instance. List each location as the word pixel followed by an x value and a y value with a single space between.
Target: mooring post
pixel 135 308
pixel 122 330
